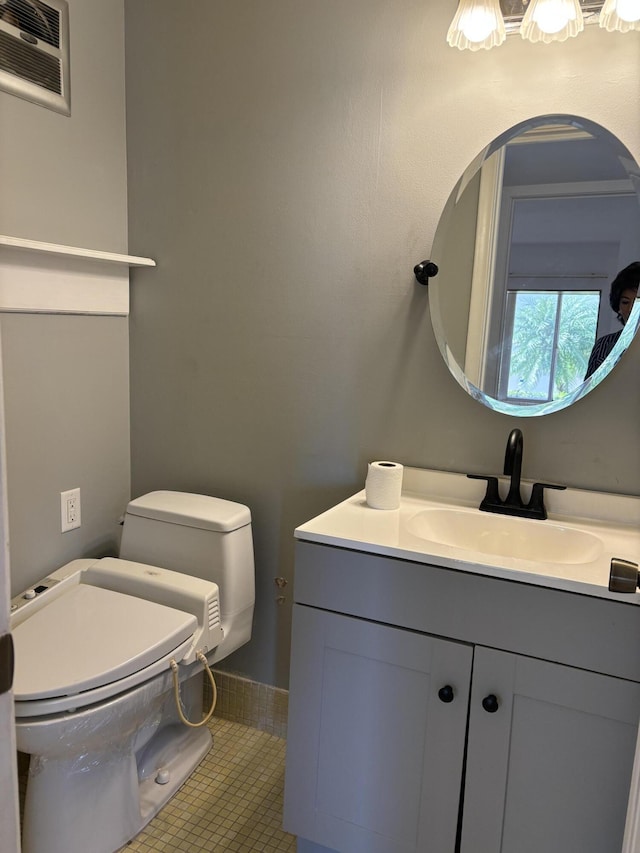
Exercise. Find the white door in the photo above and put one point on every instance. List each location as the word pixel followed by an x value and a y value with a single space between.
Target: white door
pixel 9 820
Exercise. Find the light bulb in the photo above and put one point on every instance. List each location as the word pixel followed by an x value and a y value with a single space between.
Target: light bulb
pixel 628 10
pixel 477 24
pixel 550 16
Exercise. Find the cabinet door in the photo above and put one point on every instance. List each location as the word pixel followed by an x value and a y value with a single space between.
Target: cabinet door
pixel 374 754
pixel 549 770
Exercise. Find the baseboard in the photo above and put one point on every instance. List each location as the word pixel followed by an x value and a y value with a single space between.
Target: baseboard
pixel 251 703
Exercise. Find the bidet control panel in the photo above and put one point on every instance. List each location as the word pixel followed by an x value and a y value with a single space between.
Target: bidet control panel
pixel 33 592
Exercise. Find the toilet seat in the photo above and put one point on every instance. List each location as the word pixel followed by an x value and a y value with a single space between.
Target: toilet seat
pixel 90 644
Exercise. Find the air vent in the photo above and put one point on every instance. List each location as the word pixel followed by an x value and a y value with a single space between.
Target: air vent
pixel 34 52
pixel 214 613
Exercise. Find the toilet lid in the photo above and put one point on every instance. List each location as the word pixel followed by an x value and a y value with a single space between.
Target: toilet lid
pixel 190 510
pixel 89 637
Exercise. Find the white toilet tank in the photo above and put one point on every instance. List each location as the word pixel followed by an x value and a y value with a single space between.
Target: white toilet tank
pixel 203 536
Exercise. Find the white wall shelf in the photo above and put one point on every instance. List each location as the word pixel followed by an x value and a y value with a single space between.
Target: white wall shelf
pixel 89 254
pixel 54 279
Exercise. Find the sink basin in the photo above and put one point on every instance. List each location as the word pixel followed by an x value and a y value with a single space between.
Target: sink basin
pixel 439 524
pixel 505 536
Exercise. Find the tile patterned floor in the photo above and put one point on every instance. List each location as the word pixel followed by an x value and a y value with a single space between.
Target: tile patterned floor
pixel 231 804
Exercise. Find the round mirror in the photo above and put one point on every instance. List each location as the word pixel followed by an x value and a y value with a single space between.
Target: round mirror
pixel 528 247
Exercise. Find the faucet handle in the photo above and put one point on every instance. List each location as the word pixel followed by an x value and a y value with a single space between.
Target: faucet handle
pixel 536 502
pixel 623 575
pixel 491 500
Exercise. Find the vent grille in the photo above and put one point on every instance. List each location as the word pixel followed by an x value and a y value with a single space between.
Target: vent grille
pixel 33 18
pixel 30 64
pixel 34 51
pixel 214 613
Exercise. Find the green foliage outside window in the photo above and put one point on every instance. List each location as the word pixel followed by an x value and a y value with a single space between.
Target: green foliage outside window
pixel 553 334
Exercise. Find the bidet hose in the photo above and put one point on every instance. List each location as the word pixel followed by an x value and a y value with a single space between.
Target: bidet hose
pixel 176 690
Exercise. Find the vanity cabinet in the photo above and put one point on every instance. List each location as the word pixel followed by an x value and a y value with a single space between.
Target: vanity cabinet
pixel 434 711
pixel 375 757
pixel 549 763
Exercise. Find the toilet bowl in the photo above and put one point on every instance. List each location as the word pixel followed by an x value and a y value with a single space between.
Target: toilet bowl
pixel 95 692
pixel 85 789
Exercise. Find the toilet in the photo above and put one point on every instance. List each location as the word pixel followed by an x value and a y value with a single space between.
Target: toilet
pixel 105 649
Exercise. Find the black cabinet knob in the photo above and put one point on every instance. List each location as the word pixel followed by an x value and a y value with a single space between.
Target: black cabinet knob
pixel 490 703
pixel 445 694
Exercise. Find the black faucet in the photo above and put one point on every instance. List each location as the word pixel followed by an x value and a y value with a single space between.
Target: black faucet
pixel 513 504
pixel 513 468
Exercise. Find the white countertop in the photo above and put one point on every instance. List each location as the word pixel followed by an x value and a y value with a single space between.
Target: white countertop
pixel 613 519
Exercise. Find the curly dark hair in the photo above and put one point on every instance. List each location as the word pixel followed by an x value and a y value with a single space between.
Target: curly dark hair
pixel 627 279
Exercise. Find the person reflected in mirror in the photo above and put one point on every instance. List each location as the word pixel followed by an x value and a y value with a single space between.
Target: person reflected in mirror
pixel 623 293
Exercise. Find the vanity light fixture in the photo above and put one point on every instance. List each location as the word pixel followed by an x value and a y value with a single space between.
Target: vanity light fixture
pixel 486 23
pixel 551 20
pixel 477 24
pixel 621 15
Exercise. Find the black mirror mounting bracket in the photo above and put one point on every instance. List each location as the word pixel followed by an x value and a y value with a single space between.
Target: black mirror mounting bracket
pixel 424 271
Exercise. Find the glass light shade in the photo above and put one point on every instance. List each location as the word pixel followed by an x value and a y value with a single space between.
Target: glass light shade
pixel 621 15
pixel 477 24
pixel 551 20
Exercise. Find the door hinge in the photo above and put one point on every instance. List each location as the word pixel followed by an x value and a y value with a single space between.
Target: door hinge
pixel 6 663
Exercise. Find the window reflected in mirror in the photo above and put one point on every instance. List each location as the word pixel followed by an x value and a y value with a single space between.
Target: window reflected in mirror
pixel 550 336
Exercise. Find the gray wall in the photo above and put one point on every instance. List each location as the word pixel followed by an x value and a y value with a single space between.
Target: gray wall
pixel 65 427
pixel 288 163
pixel 63 178
pixel 66 378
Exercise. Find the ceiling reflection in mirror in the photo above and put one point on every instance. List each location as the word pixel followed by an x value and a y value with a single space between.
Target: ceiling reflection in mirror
pixel 528 246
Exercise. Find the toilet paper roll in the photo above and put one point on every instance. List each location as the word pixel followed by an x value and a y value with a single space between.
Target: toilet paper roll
pixel 383 485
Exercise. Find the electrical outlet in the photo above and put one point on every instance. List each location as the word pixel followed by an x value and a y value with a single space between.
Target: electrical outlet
pixel 70 516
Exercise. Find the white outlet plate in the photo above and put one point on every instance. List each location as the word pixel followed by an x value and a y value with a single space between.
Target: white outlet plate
pixel 70 516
